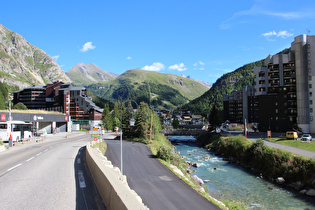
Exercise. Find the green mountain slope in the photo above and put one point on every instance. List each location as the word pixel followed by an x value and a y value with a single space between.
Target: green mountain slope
pixel 224 85
pixel 158 89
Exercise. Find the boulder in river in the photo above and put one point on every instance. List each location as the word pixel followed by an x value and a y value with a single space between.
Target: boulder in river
pixel 196 165
pixel 311 192
pixel 280 180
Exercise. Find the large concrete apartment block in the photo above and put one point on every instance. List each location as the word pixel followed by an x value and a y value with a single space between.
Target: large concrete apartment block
pixel 299 47
pixel 284 87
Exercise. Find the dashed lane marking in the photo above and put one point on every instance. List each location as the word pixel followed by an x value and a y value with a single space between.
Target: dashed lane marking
pixel 39 154
pixel 30 159
pixel 10 169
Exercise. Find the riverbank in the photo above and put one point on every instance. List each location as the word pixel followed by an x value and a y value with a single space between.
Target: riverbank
pixel 277 165
pixel 231 182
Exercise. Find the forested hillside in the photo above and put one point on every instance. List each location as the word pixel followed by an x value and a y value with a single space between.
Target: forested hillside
pixel 224 85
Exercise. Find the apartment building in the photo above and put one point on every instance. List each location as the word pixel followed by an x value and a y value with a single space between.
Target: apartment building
pixel 283 94
pixel 57 96
pixel 241 105
pixel 284 87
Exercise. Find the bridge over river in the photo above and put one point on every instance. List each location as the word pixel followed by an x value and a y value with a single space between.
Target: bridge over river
pixel 182 132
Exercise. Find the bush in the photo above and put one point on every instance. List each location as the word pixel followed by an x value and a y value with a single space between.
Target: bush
pixel 269 161
pixel 165 153
pixel 19 106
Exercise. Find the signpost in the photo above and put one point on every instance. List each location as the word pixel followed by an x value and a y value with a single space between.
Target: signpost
pixel 95 135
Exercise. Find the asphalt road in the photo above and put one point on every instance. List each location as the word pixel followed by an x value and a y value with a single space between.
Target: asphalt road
pixel 47 175
pixel 158 187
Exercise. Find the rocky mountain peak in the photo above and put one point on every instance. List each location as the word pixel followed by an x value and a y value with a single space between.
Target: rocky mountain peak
pixel 23 64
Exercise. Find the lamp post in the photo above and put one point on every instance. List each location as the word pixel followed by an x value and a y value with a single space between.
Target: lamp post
pixel 132 123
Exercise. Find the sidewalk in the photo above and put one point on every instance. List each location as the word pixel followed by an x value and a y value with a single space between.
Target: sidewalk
pixel 302 152
pixel 48 137
pixel 294 150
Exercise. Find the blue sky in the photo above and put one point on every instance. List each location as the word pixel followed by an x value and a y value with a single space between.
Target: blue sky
pixel 201 38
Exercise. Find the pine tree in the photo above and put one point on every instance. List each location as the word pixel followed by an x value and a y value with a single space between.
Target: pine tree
pixel 107 119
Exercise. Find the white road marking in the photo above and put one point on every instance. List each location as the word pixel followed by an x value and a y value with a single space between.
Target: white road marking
pixel 81 179
pixel 10 169
pixel 30 159
pixel 45 150
pixel 39 154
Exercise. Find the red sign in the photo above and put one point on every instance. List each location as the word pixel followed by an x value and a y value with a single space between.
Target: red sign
pixel 3 117
pixel 66 118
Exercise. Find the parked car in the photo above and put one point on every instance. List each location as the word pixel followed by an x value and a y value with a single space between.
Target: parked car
pixel 306 137
pixel 292 135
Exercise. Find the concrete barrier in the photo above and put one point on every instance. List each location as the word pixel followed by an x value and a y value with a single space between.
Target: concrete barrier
pixel 111 184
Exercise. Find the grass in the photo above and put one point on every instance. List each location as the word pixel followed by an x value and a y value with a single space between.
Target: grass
pixel 101 146
pixel 310 146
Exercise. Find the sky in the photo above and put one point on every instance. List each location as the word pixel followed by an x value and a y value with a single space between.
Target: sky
pixel 204 39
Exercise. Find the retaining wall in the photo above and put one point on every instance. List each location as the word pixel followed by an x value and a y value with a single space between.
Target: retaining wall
pixel 111 184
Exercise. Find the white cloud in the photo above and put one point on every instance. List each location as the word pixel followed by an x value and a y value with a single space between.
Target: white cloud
pixel 154 67
pixel 201 63
pixel 87 46
pixel 195 64
pixel 260 9
pixel 178 67
pixel 282 34
pixel 55 57
pixel 129 58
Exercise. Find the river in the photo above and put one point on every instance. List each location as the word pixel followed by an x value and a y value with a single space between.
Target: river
pixel 234 183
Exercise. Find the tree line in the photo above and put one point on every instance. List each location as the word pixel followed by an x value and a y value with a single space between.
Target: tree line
pixel 147 122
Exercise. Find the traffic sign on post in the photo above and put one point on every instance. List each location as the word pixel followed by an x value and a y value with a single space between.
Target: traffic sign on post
pixel 99 132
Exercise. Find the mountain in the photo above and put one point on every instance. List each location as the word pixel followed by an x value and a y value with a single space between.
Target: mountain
pixel 207 84
pixel 22 64
pixel 85 74
pixel 229 82
pixel 160 90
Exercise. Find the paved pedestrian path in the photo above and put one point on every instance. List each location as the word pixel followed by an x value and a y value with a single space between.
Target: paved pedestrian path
pixel 298 151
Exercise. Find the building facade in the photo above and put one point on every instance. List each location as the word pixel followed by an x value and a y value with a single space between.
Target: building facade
pixel 241 105
pixel 284 87
pixel 283 93
pixel 66 98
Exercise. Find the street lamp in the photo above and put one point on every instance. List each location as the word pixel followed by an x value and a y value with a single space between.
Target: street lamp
pixel 132 123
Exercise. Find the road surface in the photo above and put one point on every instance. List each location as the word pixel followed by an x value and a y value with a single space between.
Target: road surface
pixel 47 175
pixel 158 187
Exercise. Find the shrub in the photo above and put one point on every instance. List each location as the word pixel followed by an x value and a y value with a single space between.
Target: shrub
pixel 165 153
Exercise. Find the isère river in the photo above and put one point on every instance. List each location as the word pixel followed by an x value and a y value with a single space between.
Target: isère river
pixel 234 183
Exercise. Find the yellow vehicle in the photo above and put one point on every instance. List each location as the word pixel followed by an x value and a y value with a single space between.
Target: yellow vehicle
pixel 292 135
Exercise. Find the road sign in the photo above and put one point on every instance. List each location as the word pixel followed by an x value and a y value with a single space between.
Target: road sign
pixel 96 132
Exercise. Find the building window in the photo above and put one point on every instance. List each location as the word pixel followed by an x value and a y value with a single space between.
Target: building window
pixel 309 54
pixel 309 70
pixel 311 94
pixel 311 118
pixel 311 101
pixel 310 78
pixel 309 62
pixel 262 89
pixel 262 81
pixel 311 109
pixel 310 85
pixel 261 74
